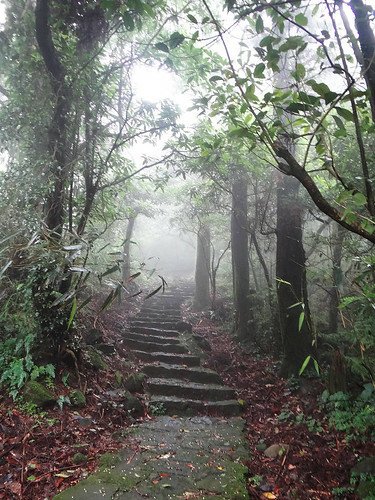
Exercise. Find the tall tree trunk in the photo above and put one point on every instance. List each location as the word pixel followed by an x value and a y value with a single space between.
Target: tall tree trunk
pixel 126 249
pixel 240 258
pixel 334 294
pixel 202 269
pixel 294 313
pixel 55 203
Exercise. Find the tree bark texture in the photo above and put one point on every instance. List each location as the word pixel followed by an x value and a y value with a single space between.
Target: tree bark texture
pixel 57 143
pixel 202 269
pixel 334 294
pixel 290 270
pixel 367 42
pixel 240 258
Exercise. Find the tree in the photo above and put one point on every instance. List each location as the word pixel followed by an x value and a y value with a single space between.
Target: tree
pixel 235 91
pixel 202 268
pixel 240 256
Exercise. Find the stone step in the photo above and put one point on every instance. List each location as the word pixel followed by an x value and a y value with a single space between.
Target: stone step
pixel 194 374
pixel 151 338
pixel 154 331
pixel 173 359
pixel 179 406
pixel 189 390
pixel 155 347
pixel 163 325
pixel 162 310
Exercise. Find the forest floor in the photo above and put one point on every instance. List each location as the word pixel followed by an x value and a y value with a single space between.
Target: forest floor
pixel 38 451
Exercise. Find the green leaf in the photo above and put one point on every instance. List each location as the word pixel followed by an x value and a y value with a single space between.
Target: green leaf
pixel 268 41
pixel 300 72
pixel 259 70
pixel 301 19
pixel 320 88
pixel 259 25
pixel 304 364
pixel 301 319
pixel 359 199
pixel 192 19
pixel 72 312
pixel 279 280
pixel 161 46
pixel 175 40
pixel 292 43
pixel 154 292
pixel 316 366
pixel 345 113
pixel 111 270
pixel 216 78
pixel 250 92
pixel 339 122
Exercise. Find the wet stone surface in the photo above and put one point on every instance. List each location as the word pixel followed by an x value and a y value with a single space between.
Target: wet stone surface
pixel 173 458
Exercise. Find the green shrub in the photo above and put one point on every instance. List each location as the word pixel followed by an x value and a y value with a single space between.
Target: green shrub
pixel 355 417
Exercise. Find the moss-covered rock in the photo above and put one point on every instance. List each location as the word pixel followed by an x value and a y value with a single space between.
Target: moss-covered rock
pixel 135 382
pixel 77 398
pixel 36 393
pixel 132 405
pixel 95 359
pixel 79 458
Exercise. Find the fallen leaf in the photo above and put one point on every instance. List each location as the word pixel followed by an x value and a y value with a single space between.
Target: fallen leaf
pixel 269 495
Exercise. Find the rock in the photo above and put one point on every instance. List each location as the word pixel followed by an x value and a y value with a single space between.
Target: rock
pixel 135 382
pixel 77 398
pixel 95 359
pixel 94 337
pixel 276 450
pixel 123 398
pixel 36 393
pixel 133 406
pixel 79 458
pixel 107 349
pixel 184 326
pixel 261 446
pixel 84 421
pixel 202 342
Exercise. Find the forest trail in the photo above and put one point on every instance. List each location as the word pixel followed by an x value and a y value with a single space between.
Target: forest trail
pixel 195 448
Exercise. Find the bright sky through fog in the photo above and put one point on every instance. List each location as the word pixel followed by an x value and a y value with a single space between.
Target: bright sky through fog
pixel 154 85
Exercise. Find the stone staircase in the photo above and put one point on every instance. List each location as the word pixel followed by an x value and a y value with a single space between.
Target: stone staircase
pixel 177 383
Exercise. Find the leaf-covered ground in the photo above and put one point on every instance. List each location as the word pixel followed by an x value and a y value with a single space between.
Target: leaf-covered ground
pixel 313 459
pixel 38 453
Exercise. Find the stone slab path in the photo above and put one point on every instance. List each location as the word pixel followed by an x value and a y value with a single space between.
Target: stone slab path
pixel 178 458
pixel 183 454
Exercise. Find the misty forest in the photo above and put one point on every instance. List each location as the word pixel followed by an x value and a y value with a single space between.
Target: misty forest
pixel 187 229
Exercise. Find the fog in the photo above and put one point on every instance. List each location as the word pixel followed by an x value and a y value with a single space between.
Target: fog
pixel 162 247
